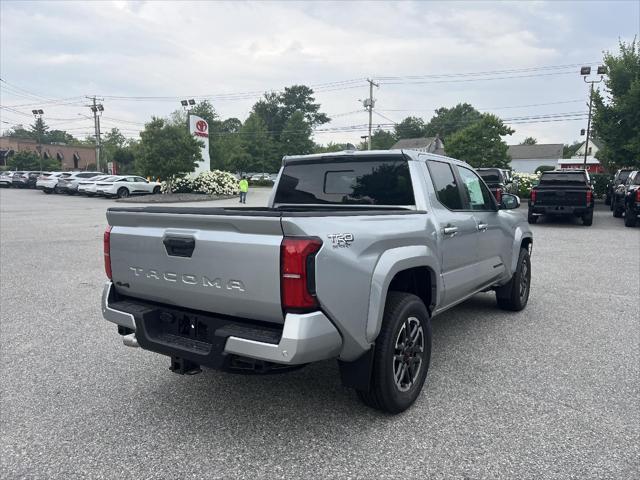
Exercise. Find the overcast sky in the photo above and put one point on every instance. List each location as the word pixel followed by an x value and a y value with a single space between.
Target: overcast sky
pixel 54 53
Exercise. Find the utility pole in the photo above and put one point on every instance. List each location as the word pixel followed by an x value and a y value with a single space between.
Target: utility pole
pixel 38 116
pixel 95 108
pixel 369 104
pixel 586 144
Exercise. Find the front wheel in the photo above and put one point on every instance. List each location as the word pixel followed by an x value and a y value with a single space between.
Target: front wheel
pixel 401 355
pixel 46 190
pixel 156 190
pixel 514 295
pixel 123 193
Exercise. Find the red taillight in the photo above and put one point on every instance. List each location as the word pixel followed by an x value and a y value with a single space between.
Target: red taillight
pixel 499 195
pixel 638 195
pixel 297 273
pixel 107 251
pixel 533 196
pixel 589 196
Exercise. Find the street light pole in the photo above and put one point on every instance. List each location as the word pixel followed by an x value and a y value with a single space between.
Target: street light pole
pixel 585 71
pixel 38 115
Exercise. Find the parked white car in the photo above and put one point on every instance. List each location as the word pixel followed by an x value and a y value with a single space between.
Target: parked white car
pixel 6 179
pixel 260 176
pixel 88 187
pixel 48 181
pixel 125 186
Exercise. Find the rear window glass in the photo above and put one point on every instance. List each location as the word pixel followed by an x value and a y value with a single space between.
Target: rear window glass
pixel 623 175
pixel 557 177
pixel 490 175
pixel 366 181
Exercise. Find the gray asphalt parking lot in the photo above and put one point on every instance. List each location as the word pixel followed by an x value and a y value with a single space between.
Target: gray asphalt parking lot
pixel 549 392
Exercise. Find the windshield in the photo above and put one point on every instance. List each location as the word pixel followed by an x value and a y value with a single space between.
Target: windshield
pixel 347 181
pixel 560 177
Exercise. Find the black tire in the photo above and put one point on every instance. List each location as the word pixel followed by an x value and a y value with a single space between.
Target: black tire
pixel 514 295
pixel 123 192
pixel 531 218
pixel 156 190
pixel 607 200
pixel 587 220
pixel 629 218
pixel 56 189
pixel 403 312
pixel 46 190
pixel 617 211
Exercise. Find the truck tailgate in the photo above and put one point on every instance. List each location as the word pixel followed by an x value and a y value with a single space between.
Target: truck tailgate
pixel 221 262
pixel 560 196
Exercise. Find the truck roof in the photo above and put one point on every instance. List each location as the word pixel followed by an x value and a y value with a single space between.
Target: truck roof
pixel 412 154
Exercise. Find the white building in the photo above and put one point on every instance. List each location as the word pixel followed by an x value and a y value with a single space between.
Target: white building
pixel 526 158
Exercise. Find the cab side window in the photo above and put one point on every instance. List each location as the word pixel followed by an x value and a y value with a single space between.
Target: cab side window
pixel 476 192
pixel 447 189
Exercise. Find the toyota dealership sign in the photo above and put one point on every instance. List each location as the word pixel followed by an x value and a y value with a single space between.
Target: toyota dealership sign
pixel 199 128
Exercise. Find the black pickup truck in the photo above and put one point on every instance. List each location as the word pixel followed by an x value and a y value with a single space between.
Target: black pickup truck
pixel 562 192
pixel 631 199
pixel 496 180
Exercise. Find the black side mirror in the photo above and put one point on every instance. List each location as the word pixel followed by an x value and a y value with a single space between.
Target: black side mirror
pixel 509 201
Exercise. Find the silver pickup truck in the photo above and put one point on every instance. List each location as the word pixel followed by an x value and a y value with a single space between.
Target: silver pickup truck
pixel 352 257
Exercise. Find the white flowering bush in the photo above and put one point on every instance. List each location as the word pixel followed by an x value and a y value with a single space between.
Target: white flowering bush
pixel 525 182
pixel 215 182
pixel 178 185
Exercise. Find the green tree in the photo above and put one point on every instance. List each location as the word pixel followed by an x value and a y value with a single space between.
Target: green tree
pixel 447 121
pixel 27 160
pixel 529 141
pixel 617 118
pixel 166 150
pixel 569 151
pixel 59 136
pixel 480 144
pixel 275 108
pixel 39 130
pixel 410 127
pixel 382 140
pixel 296 136
pixel 18 131
pixel 257 143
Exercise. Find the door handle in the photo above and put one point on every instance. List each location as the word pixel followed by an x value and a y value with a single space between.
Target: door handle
pixel 483 227
pixel 453 231
pixel 179 246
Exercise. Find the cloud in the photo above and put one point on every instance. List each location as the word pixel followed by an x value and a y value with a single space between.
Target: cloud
pixel 198 48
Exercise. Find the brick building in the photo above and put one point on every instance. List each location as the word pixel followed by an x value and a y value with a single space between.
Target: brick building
pixel 71 157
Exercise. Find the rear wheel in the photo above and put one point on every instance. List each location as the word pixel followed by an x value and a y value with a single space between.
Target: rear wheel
pixel 587 219
pixel 123 192
pixel 617 210
pixel 46 190
pixel 514 295
pixel 629 218
pixel 156 190
pixel 401 355
pixel 531 218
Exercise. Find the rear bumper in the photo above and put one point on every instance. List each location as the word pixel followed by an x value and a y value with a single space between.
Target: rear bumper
pixel 559 210
pixel 304 338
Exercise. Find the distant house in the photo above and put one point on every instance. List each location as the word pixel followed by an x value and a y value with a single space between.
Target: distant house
pixel 594 146
pixel 526 158
pixel 577 161
pixel 427 144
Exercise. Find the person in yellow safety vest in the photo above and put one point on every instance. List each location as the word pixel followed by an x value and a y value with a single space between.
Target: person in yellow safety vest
pixel 244 188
